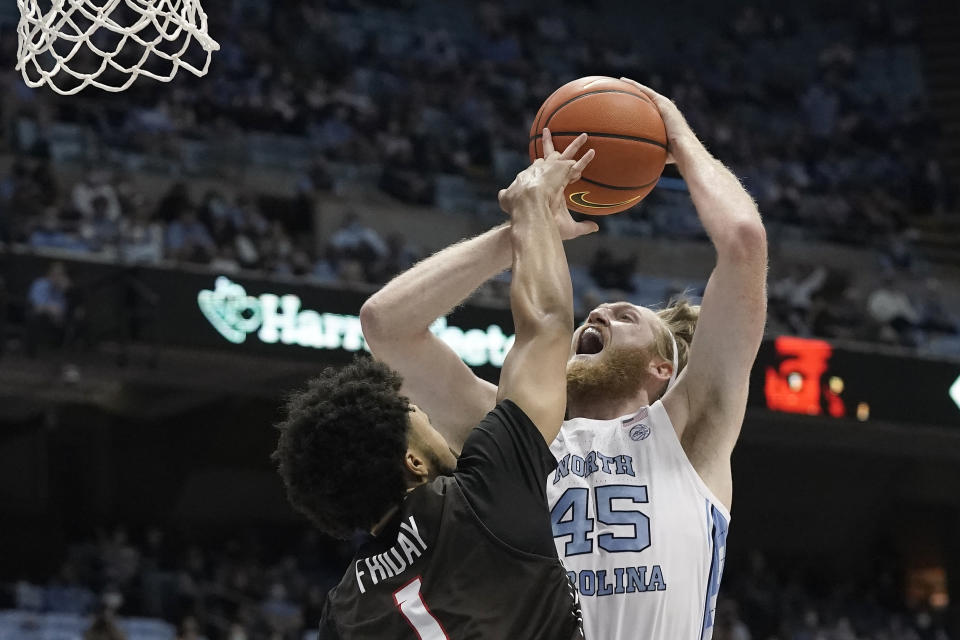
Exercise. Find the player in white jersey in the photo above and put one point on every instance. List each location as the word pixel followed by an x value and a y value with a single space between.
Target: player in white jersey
pixel 641 497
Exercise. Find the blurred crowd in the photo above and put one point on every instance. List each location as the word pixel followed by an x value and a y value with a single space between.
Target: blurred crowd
pixel 761 601
pixel 899 303
pixel 819 108
pixel 244 589
pixel 247 589
pixel 104 217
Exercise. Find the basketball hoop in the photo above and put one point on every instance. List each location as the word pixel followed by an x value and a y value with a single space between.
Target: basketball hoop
pixel 72 44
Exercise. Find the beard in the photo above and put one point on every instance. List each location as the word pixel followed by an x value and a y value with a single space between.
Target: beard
pixel 615 375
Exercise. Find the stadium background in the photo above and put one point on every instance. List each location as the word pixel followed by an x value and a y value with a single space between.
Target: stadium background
pixel 219 235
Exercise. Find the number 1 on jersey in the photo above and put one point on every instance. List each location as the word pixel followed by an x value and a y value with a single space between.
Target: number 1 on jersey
pixel 415 610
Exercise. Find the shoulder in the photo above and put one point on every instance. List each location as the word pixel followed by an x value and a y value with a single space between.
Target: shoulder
pixel 506 420
pixel 427 494
pixel 508 411
pixel 424 506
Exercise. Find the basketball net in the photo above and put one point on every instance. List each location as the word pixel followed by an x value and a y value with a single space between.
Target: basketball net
pixel 72 44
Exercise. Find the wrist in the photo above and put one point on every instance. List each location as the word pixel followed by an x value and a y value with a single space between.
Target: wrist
pixel 523 200
pixel 686 147
pixel 533 210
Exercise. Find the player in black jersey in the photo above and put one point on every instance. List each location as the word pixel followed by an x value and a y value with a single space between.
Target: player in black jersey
pixel 461 548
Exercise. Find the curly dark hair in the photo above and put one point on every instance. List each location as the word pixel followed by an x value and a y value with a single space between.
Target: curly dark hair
pixel 342 445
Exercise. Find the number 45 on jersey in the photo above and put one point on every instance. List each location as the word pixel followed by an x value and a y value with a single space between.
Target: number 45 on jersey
pixel 571 519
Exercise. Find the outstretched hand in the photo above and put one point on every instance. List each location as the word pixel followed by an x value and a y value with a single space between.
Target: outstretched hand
pixel 546 178
pixel 566 225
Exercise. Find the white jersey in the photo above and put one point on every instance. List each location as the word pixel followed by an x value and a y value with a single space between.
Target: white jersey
pixel 641 535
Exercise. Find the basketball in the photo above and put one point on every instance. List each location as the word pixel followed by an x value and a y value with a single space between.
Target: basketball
pixel 624 127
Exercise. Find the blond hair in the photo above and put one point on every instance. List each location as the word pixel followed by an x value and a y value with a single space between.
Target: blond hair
pixel 679 318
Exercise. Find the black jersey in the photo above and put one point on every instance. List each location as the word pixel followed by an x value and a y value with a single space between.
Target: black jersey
pixel 468 557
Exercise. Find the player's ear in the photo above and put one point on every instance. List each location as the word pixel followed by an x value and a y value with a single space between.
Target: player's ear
pixel 416 465
pixel 662 370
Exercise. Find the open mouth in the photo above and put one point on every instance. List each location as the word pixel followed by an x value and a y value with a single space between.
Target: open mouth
pixel 591 342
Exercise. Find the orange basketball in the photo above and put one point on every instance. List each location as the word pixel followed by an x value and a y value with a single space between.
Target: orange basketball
pixel 624 127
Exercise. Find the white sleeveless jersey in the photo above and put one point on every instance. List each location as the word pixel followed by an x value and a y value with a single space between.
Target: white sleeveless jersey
pixel 640 534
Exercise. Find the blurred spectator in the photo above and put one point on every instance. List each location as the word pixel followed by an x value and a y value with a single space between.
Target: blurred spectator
pixel 141 238
pixel 96 188
pixel 225 261
pixel 821 105
pixel 282 616
pixel 4 312
pixel 354 241
pixel 49 232
pixel 277 246
pixel 174 203
pixel 791 297
pixel 897 256
pixel 325 268
pixel 403 177
pixel 188 240
pixel 190 630
pixel 313 607
pixel 48 310
pixel 935 317
pixel 104 627
pixel 893 316
pixel 316 178
pixel 836 308
pixel 98 230
pixel 728 625
pixel 399 257
pixel 67 594
pixel 121 561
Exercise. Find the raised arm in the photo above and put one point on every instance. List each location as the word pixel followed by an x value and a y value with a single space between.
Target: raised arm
pixel 396 323
pixel 397 318
pixel 708 403
pixel 541 295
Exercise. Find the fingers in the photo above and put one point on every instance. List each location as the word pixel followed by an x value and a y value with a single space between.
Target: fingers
pixel 587 227
pixel 548 149
pixel 577 169
pixel 647 91
pixel 571 151
pixel 583 228
pixel 674 121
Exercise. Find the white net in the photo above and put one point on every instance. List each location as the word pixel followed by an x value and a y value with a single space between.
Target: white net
pixel 73 44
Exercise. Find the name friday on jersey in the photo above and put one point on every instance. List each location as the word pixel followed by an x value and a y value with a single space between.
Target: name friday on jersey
pixel 409 547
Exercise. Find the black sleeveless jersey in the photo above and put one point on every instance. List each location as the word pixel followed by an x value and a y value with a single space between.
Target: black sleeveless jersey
pixel 468 557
